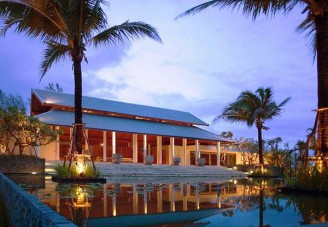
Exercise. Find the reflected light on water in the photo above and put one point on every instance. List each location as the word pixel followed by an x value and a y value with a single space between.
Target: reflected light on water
pixel 218 203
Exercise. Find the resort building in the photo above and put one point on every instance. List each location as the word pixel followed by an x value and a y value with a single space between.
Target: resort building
pixel 131 130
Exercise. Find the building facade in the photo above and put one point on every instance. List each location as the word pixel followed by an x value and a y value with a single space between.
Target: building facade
pixel 131 130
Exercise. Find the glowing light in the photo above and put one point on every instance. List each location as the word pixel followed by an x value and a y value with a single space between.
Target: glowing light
pixel 80 167
pixel 2 148
pixel 81 197
pixel 33 173
pixel 49 170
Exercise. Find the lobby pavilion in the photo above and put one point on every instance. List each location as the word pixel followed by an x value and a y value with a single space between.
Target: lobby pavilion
pixel 132 130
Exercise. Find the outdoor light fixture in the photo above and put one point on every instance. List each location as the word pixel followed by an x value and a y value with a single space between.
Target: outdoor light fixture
pixel 2 148
pixel 80 165
pixel 81 198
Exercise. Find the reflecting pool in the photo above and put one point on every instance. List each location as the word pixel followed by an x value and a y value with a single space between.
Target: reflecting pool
pixel 182 202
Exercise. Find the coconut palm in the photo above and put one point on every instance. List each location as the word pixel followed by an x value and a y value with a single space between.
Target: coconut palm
pixel 253 108
pixel 68 27
pixel 315 22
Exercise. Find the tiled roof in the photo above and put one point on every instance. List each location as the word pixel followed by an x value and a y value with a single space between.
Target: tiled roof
pixel 89 103
pixel 118 124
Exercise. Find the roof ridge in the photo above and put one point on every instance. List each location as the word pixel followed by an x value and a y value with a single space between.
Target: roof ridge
pixel 143 110
pixel 111 100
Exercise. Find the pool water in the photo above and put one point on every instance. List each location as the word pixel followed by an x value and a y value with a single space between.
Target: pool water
pixel 182 202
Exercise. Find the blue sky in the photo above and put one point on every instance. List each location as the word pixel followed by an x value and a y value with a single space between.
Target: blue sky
pixel 203 64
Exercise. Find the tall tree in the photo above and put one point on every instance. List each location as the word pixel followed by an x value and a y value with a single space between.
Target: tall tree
pixel 67 27
pixel 253 108
pixel 315 22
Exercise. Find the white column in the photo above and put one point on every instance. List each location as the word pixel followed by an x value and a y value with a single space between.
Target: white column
pixel 114 205
pixel 197 154
pixel 135 147
pixel 57 202
pixel 144 146
pixel 218 149
pixel 145 202
pixel 160 200
pixel 171 153
pixel 114 142
pixel 105 199
pixel 135 199
pixel 159 150
pixel 104 146
pixel 184 147
pixel 197 199
pixel 172 199
pixel 57 151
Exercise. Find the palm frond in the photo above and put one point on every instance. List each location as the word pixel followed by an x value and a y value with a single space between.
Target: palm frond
pixel 308 27
pixel 199 8
pixel 127 30
pixel 252 8
pixel 251 108
pixel 53 53
pixel 32 17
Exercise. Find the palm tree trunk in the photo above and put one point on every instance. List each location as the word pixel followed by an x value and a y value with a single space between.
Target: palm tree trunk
pixel 261 207
pixel 78 105
pixel 259 137
pixel 321 26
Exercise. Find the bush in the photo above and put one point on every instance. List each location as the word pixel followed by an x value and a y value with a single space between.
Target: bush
pixel 258 172
pixel 310 178
pixel 62 171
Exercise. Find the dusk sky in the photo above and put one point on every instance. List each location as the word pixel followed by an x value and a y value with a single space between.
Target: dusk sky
pixel 203 64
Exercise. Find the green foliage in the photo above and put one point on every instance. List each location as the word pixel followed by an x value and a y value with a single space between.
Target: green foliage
pixel 62 171
pixel 310 178
pixel 23 131
pixel 253 109
pixel 258 172
pixel 249 148
pixel 76 25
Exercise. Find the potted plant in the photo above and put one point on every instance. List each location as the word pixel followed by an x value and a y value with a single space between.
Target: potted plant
pixel 149 159
pixel 117 158
pixel 176 161
pixel 201 161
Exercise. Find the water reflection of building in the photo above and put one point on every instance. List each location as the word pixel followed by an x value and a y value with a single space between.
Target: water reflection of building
pixel 131 130
pixel 125 199
pixel 119 203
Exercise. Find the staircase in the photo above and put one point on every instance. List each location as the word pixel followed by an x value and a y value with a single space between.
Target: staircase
pixel 141 170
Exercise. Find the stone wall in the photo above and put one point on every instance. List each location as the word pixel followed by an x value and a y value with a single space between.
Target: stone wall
pixel 21 164
pixel 23 209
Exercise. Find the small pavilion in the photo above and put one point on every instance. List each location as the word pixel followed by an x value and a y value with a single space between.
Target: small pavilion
pixel 132 130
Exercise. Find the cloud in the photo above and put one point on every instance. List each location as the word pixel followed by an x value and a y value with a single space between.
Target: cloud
pixel 204 63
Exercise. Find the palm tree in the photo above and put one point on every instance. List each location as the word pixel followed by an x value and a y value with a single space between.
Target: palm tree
pixel 316 23
pixel 67 27
pixel 253 108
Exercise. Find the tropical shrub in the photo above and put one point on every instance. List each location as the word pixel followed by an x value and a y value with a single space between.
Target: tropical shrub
pixel 310 178
pixel 23 131
pixel 64 172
